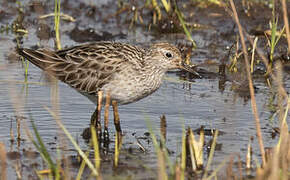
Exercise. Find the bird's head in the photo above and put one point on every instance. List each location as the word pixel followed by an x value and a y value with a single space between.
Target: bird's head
pixel 167 57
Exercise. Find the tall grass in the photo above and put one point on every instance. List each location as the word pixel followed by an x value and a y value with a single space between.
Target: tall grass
pixel 286 22
pixel 249 77
pixel 276 166
pixel 57 23
pixel 275 35
pixel 39 144
pixel 188 34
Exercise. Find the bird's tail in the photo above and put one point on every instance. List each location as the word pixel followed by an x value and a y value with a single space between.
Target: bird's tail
pixel 41 58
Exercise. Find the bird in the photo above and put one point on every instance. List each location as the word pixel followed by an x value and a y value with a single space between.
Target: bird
pixel 128 72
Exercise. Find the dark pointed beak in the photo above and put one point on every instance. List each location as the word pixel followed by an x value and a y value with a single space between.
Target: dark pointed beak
pixel 189 68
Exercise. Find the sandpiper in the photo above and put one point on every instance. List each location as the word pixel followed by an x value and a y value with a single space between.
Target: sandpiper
pixel 124 73
pixel 127 72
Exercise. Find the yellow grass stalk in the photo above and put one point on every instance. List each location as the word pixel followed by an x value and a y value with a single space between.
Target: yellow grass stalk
pixel 96 147
pixel 166 5
pixel 118 145
pixel 183 156
pixel 82 166
pixel 81 153
pixel 157 9
pixel 196 149
pixel 56 23
pixel 212 149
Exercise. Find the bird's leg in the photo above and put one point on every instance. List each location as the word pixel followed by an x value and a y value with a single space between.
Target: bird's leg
pixel 99 109
pixel 106 117
pixel 96 117
pixel 117 119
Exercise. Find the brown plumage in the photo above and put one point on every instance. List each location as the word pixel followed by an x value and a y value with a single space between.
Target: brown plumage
pixel 128 72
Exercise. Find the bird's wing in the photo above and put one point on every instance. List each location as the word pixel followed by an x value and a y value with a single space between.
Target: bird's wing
pixel 86 67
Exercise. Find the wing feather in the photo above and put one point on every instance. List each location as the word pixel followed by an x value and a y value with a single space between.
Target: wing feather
pixel 86 67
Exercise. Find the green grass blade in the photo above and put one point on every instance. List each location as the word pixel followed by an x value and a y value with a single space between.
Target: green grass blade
pixel 211 153
pixel 56 23
pixel 168 160
pixel 82 167
pixel 188 35
pixel 42 149
pixel 166 5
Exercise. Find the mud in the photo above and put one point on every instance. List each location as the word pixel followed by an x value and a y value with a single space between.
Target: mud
pixel 219 99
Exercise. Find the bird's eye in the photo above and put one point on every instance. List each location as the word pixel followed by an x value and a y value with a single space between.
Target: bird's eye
pixel 169 55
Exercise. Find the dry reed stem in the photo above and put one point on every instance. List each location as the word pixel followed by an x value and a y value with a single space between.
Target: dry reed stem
pixel 18 127
pixel 240 166
pixel 11 132
pixel 162 175
pixel 106 113
pixel 286 22
pixel 18 169
pixel 195 149
pixel 229 169
pixel 163 127
pixel 177 172
pixel 249 154
pixel 279 81
pixel 17 103
pixel 252 92
pixel 280 156
pixel 253 54
pixel 3 165
pixel 62 15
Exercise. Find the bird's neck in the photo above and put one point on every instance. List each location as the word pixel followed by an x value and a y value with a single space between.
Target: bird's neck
pixel 153 76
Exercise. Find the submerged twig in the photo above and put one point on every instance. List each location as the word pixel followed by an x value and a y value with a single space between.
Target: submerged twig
pixel 63 16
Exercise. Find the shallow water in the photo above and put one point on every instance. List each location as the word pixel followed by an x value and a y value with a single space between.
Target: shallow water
pixel 194 103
